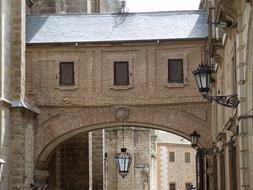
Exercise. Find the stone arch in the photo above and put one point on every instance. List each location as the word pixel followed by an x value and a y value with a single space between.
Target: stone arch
pixel 64 124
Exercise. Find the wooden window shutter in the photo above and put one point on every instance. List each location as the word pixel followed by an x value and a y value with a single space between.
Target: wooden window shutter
pixel 175 71
pixel 67 77
pixel 121 73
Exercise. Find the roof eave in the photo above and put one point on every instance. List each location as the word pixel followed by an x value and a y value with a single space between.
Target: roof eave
pixel 121 41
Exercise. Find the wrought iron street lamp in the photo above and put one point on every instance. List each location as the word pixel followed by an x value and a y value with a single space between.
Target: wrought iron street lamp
pixel 123 159
pixel 200 158
pixel 203 78
pixel 194 143
pixel 194 139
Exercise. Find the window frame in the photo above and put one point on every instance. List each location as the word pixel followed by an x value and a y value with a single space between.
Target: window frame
pixel 76 74
pixel 187 185
pixel 174 156
pixel 181 73
pixel 108 67
pixel 73 73
pixel 175 55
pixel 185 157
pixel 115 73
pixel 175 186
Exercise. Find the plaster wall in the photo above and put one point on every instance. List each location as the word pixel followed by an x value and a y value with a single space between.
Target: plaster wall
pixel 178 172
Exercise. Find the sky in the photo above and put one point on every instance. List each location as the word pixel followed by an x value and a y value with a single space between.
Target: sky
pixel 161 5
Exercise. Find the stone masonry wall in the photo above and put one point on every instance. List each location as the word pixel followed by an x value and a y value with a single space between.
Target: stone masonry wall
pixel 109 6
pixel 234 76
pixel 5 91
pixel 59 6
pixel 5 39
pixel 75 164
pixel 138 144
pixel 21 149
pixel 97 159
pixel 178 172
pixel 94 74
pixel 73 6
pixel 18 49
pixel 4 145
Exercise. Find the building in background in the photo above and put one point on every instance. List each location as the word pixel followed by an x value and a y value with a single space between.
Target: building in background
pixel 176 165
pixel 61 80
pixel 230 49
pixel 141 144
pixel 72 6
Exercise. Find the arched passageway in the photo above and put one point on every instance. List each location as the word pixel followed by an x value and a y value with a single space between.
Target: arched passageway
pixel 57 125
pixel 87 160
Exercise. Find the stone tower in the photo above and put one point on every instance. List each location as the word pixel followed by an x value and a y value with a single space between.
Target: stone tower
pixel 16 129
pixel 73 6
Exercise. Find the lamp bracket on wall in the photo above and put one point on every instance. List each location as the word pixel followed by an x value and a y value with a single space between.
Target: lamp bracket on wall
pixel 228 101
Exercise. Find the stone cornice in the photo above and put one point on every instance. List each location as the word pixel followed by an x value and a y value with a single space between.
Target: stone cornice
pixel 4 102
pixel 25 105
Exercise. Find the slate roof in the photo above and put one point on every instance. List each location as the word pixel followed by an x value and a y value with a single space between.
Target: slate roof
pixel 89 28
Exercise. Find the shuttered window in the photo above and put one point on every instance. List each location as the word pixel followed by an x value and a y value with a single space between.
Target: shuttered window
pixel 187 157
pixel 67 74
pixel 121 73
pixel 175 71
pixel 187 186
pixel 172 186
pixel 172 156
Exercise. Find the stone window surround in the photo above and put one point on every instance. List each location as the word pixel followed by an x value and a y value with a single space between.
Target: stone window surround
pixel 187 156
pixel 172 156
pixel 76 73
pixel 165 57
pixel 121 58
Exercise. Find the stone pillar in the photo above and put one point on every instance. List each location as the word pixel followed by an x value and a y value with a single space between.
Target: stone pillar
pixel 21 149
pixel 97 139
pixel 58 168
pixel 40 179
pixel 210 172
pixel 4 144
pixel 18 44
pixel 138 144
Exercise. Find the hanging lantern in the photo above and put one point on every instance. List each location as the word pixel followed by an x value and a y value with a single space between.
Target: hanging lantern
pixel 203 77
pixel 194 139
pixel 123 161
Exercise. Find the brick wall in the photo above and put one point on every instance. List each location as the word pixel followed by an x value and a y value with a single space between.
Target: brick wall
pixel 69 165
pixel 94 74
pixel 97 138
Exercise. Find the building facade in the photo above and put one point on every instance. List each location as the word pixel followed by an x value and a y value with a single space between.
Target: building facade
pixel 44 105
pixel 141 143
pixel 176 164
pixel 72 6
pixel 229 47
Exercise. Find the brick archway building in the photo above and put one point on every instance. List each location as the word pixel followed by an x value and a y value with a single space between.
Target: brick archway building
pixel 42 109
pixel 66 123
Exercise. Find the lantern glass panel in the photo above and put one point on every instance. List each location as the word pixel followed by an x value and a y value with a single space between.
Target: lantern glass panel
pixel 203 76
pixel 123 161
pixel 197 77
pixel 194 140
